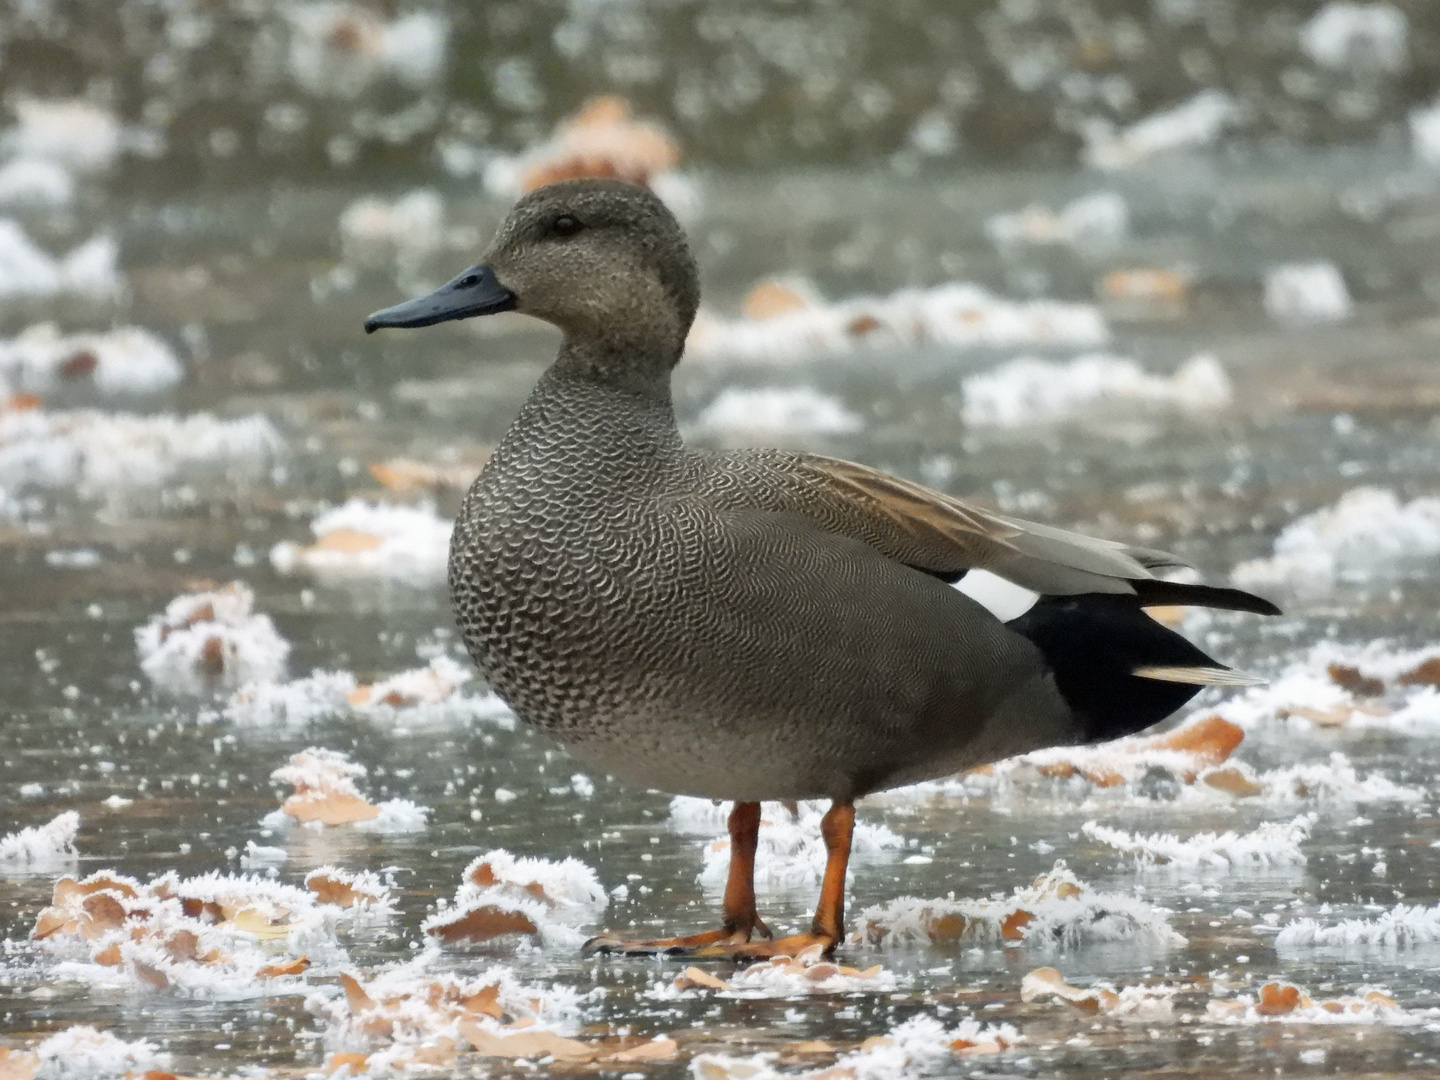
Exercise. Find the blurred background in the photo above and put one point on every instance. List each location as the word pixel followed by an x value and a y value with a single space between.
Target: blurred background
pixel 1162 271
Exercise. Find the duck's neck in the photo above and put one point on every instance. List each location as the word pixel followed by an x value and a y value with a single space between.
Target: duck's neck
pixel 629 364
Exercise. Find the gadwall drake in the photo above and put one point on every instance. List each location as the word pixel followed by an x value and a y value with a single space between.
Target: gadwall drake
pixel 759 624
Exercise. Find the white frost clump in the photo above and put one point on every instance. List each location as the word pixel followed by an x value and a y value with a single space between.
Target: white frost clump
pixel 29 271
pixel 1363 37
pixel 1098 219
pixel 116 455
pixel 294 703
pixel 211 641
pixel 376 234
pixel 1403 926
pixel 340 49
pixel 1334 780
pixel 1312 292
pixel 790 853
pixel 85 1053
pixel 364 540
pixel 35 183
pixel 958 314
pixel 127 360
pixel 326 794
pixel 921 1046
pixel 46 848
pixel 1272 844
pixel 1027 390
pixel 1365 534
pixel 501 893
pixel 1425 133
pixel 1197 122
pixel 796 409
pixel 1057 910
pixel 69 132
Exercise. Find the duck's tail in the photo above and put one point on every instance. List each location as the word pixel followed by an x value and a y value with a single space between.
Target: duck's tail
pixel 1117 668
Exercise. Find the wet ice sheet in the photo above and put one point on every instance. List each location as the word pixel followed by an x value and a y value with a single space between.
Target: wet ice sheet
pixel 374 674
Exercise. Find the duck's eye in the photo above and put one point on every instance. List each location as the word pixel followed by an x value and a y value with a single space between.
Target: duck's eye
pixel 566 225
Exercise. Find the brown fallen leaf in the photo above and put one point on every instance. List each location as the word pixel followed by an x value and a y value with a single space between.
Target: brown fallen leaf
pixel 1048 982
pixel 525 1044
pixel 406 475
pixel 152 977
pixel 694 978
pixel 601 140
pixel 482 924
pixel 284 967
pixel 18 1064
pixel 333 889
pixel 1277 999
pixel 1426 673
pixel 358 1063
pixel 662 1048
pixel 1012 926
pixel 330 808
pixel 768 299
pixel 1233 782
pixel 1354 680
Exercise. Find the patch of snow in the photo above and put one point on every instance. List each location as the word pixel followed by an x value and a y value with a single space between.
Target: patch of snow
pixel 794 409
pixel 1307 293
pixel 28 271
pixel 1029 391
pixel 1193 123
pixel 1401 927
pixel 956 314
pixel 86 1053
pixel 209 641
pixel 70 132
pixel 116 456
pixel 127 360
pixel 339 50
pixel 41 848
pixel 1359 37
pixel 1056 911
pixel 35 183
pixel 1099 219
pixel 370 541
pixel 1272 844
pixel 1368 533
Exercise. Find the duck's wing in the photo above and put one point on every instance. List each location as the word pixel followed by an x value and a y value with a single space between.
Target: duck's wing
pixel 945 536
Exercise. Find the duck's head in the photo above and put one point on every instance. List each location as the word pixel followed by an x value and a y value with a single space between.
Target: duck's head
pixel 604 261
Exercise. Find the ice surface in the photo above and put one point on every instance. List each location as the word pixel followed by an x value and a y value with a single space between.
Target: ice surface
pixel 1368 533
pixel 796 409
pixel 957 314
pixel 209 641
pixel 1312 292
pixel 376 234
pixel 372 541
pixel 1030 391
pixel 41 848
pixel 1272 844
pixel 127 360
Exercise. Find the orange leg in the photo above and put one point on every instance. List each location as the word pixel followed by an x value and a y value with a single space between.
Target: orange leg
pixel 740 917
pixel 828 927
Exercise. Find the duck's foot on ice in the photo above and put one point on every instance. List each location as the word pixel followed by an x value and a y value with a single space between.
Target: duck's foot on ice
pixel 718 943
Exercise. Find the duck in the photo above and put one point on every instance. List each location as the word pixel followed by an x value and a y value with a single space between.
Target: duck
pixel 760 624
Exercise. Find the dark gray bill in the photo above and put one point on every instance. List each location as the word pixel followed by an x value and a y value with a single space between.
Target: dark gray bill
pixel 475 292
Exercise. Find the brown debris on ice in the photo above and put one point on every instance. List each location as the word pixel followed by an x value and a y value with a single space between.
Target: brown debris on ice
pixel 326 794
pixel 1187 752
pixel 1142 1003
pixel 501 894
pixel 405 475
pixel 211 640
pixel 1286 1002
pixel 601 140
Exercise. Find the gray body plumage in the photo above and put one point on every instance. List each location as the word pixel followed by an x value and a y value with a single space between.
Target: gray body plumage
pixel 757 624
pixel 629 598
